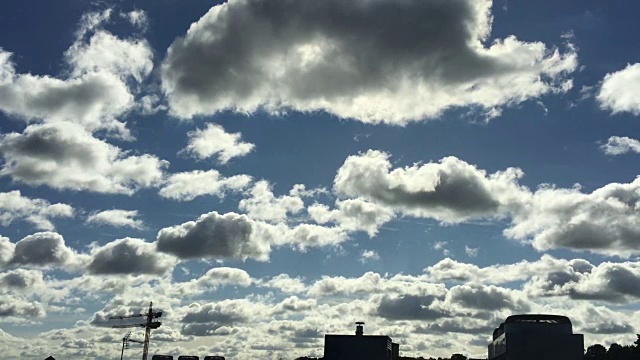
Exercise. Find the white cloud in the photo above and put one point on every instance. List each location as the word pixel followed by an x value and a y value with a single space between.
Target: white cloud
pixel 14 307
pixel 96 91
pixel 6 250
pixel 186 186
pixel 610 282
pixel 442 245
pixel 226 275
pixel 201 320
pixel 212 280
pixel 106 52
pixel 93 101
pixel 214 235
pixel 92 20
pixel 22 279
pixel 66 156
pixel 295 305
pixel 137 18
pixel 452 270
pixel 618 145
pixel 286 284
pixel 214 141
pixel 129 256
pixel 410 307
pixel 353 215
pixel 605 221
pixel 449 191
pixel 14 206
pixel 117 218
pixel 263 205
pixel 471 252
pixel 150 104
pixel 452 191
pixel 599 320
pixel 374 283
pixel 487 298
pixel 45 249
pixel 352 60
pixel 235 236
pixel 620 91
pixel 369 255
pixel 576 279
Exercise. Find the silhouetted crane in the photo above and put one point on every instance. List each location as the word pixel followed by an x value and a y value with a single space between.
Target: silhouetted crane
pixel 147 324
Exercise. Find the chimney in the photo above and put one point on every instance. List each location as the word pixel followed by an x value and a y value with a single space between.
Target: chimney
pixel 359 328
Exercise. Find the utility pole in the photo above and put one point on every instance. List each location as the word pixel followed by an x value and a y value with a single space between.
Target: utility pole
pixel 147 324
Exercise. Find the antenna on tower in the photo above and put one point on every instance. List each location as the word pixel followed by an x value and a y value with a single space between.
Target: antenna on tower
pixel 125 343
pixel 147 324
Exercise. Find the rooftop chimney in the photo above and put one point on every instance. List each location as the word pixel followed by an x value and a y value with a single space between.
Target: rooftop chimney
pixel 359 328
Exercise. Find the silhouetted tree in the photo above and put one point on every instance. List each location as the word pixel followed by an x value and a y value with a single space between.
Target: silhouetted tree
pixel 619 352
pixel 596 352
pixel 458 357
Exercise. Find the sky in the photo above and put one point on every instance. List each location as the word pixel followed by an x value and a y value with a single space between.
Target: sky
pixel 270 171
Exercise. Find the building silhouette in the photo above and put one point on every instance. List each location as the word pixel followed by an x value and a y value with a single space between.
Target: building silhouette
pixel 529 337
pixel 360 346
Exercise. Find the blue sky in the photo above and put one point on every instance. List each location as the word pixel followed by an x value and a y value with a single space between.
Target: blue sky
pixel 270 171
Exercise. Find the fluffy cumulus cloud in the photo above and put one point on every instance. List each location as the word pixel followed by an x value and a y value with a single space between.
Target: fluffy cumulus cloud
pixel 216 236
pixel 39 212
pixel 137 18
pixel 66 156
pixel 577 279
pixel 620 91
pixel 44 249
pixel 608 282
pixel 235 236
pixel 11 306
pixel 96 90
pixel 21 279
pixel 6 250
pixel 410 307
pixel 353 215
pixel 285 284
pixel 294 304
pixel 374 283
pixel 186 186
pixel 214 141
pixel 605 221
pixel 618 145
pixel 262 204
pixel 600 320
pixel 117 218
pixel 201 320
pixel 352 60
pixel 369 255
pixel 129 256
pixel 487 298
pixel 214 279
pixel 449 191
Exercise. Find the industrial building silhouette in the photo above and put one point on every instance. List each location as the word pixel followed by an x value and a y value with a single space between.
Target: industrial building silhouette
pixel 360 346
pixel 536 337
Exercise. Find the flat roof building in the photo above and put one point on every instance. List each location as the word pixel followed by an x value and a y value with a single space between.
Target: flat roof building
pixel 360 346
pixel 535 337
